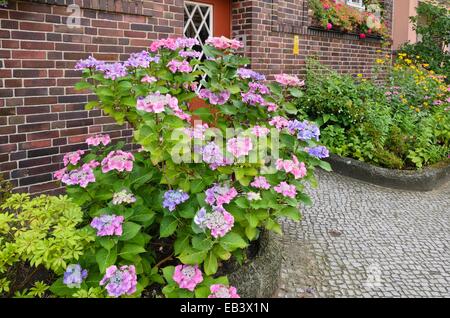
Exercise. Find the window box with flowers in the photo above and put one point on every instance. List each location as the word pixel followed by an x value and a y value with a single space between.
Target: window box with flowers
pixel 361 17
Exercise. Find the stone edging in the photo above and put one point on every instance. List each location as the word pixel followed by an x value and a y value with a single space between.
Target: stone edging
pixel 260 278
pixel 427 179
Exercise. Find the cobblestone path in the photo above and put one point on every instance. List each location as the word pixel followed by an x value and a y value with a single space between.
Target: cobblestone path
pixel 360 240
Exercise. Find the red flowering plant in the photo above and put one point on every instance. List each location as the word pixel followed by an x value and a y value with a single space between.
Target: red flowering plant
pixel 198 191
pixel 335 15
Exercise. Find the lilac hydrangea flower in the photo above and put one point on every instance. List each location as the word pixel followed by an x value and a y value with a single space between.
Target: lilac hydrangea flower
pixel 107 225
pixel 200 218
pixel 257 87
pixel 141 59
pixel 183 43
pixel 90 62
pixel 222 291
pixel 187 276
pixel 190 54
pixel 252 98
pixel 123 196
pixel 219 195
pixel 212 153
pixel 120 281
pixel 197 132
pixel 81 176
pixel 245 73
pixel 113 70
pixel 172 198
pixel 215 98
pixel 320 152
pixel 74 276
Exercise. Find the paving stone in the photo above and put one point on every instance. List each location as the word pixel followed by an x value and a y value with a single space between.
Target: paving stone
pixel 361 240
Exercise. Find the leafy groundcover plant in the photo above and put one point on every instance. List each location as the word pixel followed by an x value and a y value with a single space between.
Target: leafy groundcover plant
pixel 39 238
pixel 401 122
pixel 201 186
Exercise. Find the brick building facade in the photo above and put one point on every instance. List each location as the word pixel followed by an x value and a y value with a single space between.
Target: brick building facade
pixel 43 117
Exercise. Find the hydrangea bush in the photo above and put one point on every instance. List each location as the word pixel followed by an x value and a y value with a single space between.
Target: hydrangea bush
pixel 204 182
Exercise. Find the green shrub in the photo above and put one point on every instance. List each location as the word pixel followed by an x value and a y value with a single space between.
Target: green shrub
pixel 402 123
pixel 432 24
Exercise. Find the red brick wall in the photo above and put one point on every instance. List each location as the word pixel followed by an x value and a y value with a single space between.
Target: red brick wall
pixel 41 115
pixel 270 27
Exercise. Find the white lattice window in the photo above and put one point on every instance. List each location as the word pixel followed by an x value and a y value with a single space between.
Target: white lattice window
pixel 355 3
pixel 198 23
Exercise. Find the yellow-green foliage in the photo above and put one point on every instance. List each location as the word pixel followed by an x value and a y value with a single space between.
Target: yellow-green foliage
pixel 39 231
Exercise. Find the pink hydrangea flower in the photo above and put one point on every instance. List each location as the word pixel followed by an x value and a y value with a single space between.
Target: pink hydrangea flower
pixel 259 131
pixel 99 139
pixel 121 281
pixel 148 79
pixel 179 66
pixel 223 43
pixel 107 225
pixel 187 276
pixel 73 157
pixel 81 176
pixel 271 107
pixel 288 80
pixel 260 183
pixel 220 222
pixel 240 146
pixel 222 291
pixel 58 175
pixel 298 169
pixel 220 195
pixel 118 160
pixel 155 103
pixel 362 36
pixel 286 190
pixel 93 164
pixel 279 122
pixel 169 43
pixel 329 26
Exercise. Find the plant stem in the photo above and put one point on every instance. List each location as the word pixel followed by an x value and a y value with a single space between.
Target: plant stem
pixel 168 258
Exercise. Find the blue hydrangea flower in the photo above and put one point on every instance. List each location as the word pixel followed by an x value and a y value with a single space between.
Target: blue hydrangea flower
pixel 320 152
pixel 172 198
pixel 74 276
pixel 305 130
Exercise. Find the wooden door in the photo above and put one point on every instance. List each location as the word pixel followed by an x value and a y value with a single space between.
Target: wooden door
pixel 204 19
